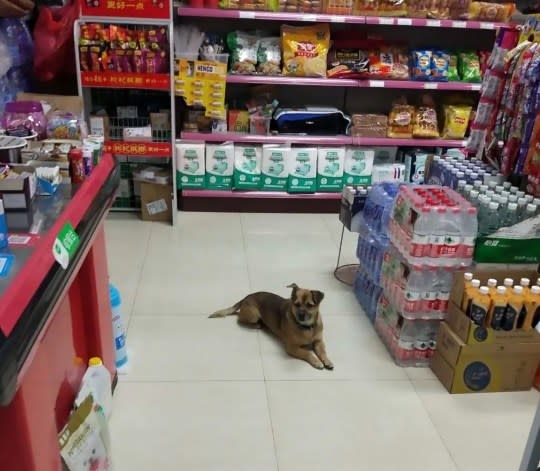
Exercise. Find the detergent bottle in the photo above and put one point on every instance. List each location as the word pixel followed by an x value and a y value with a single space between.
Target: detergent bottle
pixel 513 308
pixel 480 304
pixel 466 305
pixel 96 381
pixel 497 310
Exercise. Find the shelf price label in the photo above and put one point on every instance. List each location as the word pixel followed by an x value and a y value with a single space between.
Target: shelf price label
pixel 139 149
pixel 159 9
pixel 125 80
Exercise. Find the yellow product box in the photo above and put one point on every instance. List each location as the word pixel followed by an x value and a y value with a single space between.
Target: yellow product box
pixel 491 367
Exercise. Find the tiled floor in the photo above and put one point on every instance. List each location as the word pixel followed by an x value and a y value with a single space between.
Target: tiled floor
pixel 205 394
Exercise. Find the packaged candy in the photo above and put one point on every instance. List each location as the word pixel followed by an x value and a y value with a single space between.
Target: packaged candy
pixel 453 75
pixel 65 125
pixel 421 64
pixel 440 61
pixel 244 48
pixel 305 50
pixel 400 121
pixel 456 121
pixel 425 122
pixel 469 67
pixel 486 11
pixel 269 56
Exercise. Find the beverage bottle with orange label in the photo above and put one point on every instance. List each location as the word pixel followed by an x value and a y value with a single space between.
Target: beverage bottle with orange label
pixel 480 304
pixel 466 304
pixel 532 305
pixel 513 308
pixel 496 313
pixel 492 285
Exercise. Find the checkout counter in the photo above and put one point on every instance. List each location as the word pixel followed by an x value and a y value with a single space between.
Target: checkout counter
pixel 52 319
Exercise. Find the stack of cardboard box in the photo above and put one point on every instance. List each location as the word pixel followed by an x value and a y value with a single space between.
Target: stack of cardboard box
pixel 473 358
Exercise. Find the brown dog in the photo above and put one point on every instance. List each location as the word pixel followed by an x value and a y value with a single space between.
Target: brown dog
pixel 295 321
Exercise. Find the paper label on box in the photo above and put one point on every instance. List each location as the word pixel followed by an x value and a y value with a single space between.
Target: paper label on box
pixel 156 207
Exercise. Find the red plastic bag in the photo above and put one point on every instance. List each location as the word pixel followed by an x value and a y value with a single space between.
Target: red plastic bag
pixel 54 50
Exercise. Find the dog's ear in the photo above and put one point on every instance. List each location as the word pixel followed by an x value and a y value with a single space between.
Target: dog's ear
pixel 294 287
pixel 317 296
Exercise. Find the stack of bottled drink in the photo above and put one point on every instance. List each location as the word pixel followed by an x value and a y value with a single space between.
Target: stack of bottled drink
pixel 372 242
pixel 499 205
pixel 432 232
pixel 448 171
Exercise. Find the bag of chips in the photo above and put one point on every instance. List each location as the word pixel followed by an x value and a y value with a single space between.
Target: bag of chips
pixel 243 48
pixel 469 67
pixel 440 61
pixel 456 121
pixel 421 64
pixel 305 50
pixel 453 74
pixel 487 11
pixel 269 56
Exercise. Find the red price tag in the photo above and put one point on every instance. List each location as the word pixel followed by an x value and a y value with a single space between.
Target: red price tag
pixel 127 8
pixel 141 149
pixel 125 80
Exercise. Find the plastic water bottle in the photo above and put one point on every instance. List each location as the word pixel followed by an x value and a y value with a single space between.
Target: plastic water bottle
pixel 511 215
pixel 120 349
pixel 96 381
pixel 469 231
pixel 491 223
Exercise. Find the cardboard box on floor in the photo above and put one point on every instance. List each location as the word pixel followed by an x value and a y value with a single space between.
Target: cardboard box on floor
pixel 156 202
pixel 488 367
pixel 55 102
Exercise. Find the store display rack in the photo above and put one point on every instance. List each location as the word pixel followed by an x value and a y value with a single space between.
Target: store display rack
pixel 235 19
pixel 138 15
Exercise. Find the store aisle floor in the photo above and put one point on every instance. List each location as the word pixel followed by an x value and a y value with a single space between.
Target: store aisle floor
pixel 205 394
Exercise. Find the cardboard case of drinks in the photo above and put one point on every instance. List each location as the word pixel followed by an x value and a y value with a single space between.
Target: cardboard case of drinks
pixel 472 356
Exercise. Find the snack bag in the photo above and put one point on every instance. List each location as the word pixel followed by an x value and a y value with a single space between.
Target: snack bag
pixel 425 122
pixel 400 121
pixel 486 11
pixel 456 121
pixel 453 75
pixel 305 50
pixel 438 9
pixel 469 67
pixel 244 48
pixel 418 8
pixel 459 9
pixel 421 64
pixel 440 61
pixel 269 56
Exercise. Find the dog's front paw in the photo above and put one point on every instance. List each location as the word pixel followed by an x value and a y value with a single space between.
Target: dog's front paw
pixel 317 364
pixel 329 365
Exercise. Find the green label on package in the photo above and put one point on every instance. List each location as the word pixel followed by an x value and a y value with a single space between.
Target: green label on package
pixel 186 180
pixel 350 179
pixel 218 182
pixel 302 185
pixel 329 184
pixel 246 181
pixel 66 243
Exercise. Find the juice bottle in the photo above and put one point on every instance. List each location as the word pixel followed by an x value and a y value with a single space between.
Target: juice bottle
pixel 480 304
pixel 508 283
pixel 492 285
pixel 467 278
pixel 498 308
pixel 525 282
pixel 513 308
pixel 466 305
pixel 532 305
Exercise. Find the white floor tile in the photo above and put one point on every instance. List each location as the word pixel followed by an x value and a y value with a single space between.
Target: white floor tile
pixel 352 426
pixel 206 426
pixel 293 224
pixel 351 344
pixel 483 432
pixel 192 348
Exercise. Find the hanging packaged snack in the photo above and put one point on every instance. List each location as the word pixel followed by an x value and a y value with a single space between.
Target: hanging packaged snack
pixel 269 56
pixel 456 121
pixel 440 61
pixel 487 11
pixel 243 48
pixel 305 50
pixel 425 123
pixel 421 64
pixel 469 67
pixel 400 120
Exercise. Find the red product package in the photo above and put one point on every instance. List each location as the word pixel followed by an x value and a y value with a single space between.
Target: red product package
pixel 388 62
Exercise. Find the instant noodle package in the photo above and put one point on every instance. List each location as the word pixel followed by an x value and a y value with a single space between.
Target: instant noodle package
pixel 305 50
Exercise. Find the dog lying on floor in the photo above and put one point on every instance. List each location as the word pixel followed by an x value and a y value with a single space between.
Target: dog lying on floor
pixel 295 321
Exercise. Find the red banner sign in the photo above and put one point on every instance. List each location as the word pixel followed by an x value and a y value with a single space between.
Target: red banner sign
pixel 159 9
pixel 125 80
pixel 140 149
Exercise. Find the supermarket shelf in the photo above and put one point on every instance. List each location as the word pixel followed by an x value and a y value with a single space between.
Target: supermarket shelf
pixel 268 15
pixel 386 141
pixel 324 18
pixel 144 81
pixel 267 139
pixel 139 149
pixel 326 82
pixel 321 140
pixel 259 195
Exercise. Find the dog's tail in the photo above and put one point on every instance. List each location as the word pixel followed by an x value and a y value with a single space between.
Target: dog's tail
pixel 227 311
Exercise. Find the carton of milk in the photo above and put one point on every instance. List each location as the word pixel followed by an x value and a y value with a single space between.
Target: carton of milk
pixel 330 161
pixel 302 170
pixel 358 165
pixel 190 164
pixel 275 167
pixel 388 173
pixel 219 166
pixel 247 167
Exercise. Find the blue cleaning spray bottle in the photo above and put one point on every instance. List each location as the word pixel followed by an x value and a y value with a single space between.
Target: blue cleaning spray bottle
pixel 3 227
